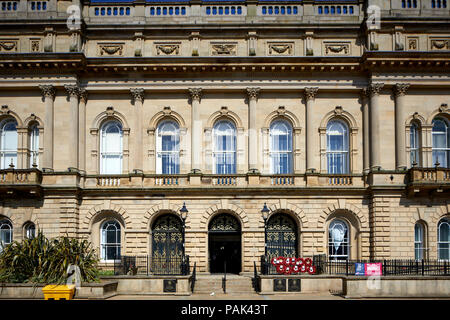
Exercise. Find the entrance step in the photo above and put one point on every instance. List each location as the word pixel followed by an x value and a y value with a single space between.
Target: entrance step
pixel 213 283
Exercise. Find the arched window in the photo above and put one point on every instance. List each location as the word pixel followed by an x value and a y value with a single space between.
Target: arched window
pixel 168 148
pixel 33 142
pixel 110 240
pixel 30 230
pixel 111 148
pixel 419 241
pixel 444 239
pixel 414 138
pixel 8 143
pixel 6 233
pixel 281 236
pixel 281 147
pixel 338 240
pixel 224 134
pixel 441 140
pixel 337 147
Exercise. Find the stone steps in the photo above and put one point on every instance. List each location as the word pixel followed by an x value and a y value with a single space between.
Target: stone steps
pixel 213 283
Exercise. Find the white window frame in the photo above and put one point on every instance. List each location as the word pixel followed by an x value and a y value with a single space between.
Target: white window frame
pixel 419 241
pixel 276 154
pixel 224 153
pixel 174 155
pixel 443 221
pixel 445 149
pixel 345 242
pixel 33 141
pixel 104 245
pixel 345 168
pixel 5 225
pixel 5 161
pixel 414 140
pixel 30 227
pixel 104 154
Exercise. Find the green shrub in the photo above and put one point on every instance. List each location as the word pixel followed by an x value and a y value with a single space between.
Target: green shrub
pixel 41 260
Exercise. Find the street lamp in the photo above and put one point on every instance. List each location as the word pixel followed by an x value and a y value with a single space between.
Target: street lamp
pixel 183 213
pixel 265 214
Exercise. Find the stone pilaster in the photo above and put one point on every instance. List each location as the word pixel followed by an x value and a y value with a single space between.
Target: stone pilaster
pixel 137 95
pixel 366 128
pixel 379 223
pixel 196 127
pixel 252 94
pixel 48 93
pixel 310 95
pixel 400 136
pixel 82 129
pixel 74 92
pixel 375 144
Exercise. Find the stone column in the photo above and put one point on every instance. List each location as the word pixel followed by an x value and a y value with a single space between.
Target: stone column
pixel 48 93
pixel 138 97
pixel 73 91
pixel 400 149
pixel 196 129
pixel 82 129
pixel 252 94
pixel 375 145
pixel 310 95
pixel 366 128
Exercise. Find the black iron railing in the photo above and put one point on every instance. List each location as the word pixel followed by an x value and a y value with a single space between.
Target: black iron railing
pixel 256 280
pixel 194 277
pixel 147 265
pixel 392 267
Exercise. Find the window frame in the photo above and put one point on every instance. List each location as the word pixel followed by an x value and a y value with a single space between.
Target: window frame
pixel 445 149
pixel 346 241
pixel 103 153
pixel 33 144
pixel 344 152
pixel 421 244
pixel 439 242
pixel 103 241
pixel 5 222
pixel 224 153
pixel 160 153
pixel 288 152
pixel 4 164
pixel 415 144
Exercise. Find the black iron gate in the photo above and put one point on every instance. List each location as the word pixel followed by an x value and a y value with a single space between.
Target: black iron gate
pixel 167 244
pixel 281 236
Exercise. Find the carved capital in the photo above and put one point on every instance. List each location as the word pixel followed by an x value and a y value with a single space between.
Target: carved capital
pixel 48 91
pixel 83 95
pixel 310 93
pixel 137 94
pixel 72 90
pixel 375 88
pixel 195 94
pixel 365 92
pixel 400 89
pixel 253 93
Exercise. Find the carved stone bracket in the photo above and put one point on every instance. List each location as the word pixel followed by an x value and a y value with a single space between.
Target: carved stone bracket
pixel 137 94
pixel 310 93
pixel 83 95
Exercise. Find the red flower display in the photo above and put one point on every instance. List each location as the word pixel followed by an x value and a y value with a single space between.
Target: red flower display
pixel 292 265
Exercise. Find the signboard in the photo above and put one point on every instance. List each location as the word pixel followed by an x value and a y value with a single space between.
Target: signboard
pixel 360 269
pixel 373 269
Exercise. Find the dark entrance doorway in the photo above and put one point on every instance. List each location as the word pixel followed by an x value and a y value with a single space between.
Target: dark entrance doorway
pixel 224 244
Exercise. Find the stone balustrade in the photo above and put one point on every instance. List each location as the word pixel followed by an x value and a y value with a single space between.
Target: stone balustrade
pixel 20 177
pixel 429 175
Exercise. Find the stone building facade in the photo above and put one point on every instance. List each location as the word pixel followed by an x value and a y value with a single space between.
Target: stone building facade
pixel 246 64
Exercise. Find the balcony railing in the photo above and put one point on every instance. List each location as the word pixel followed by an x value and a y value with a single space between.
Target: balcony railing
pixel 429 175
pixel 20 176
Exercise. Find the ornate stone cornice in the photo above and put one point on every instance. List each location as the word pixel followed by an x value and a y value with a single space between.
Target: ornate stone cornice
pixel 310 93
pixel 400 89
pixel 375 88
pixel 195 93
pixel 137 94
pixel 72 90
pixel 253 93
pixel 48 91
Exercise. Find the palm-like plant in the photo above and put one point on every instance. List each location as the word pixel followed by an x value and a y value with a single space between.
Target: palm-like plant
pixel 41 260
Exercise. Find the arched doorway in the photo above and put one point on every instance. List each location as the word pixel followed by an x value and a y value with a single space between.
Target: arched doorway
pixel 167 245
pixel 281 236
pixel 224 235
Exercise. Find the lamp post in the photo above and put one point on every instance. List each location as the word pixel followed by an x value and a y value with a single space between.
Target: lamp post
pixel 183 213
